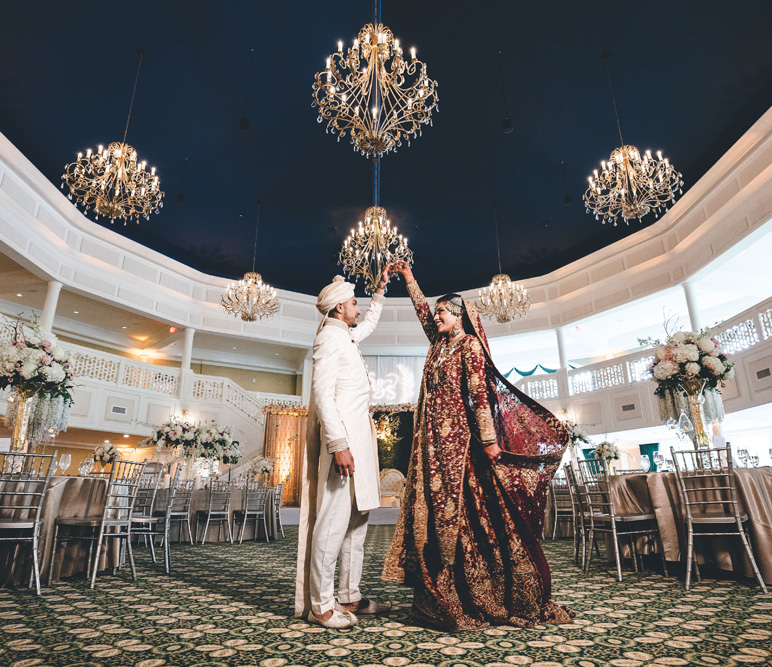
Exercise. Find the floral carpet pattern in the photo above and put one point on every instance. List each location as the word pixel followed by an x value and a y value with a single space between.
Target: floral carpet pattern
pixel 232 605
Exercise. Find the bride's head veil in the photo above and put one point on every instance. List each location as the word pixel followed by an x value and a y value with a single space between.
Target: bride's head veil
pixel 529 434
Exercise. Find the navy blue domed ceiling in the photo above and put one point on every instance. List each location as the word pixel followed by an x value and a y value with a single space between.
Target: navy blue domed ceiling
pixel 690 78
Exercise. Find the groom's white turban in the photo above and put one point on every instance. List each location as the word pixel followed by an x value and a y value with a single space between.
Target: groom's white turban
pixel 338 291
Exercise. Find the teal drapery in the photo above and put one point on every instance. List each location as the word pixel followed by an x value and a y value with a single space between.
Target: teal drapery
pixel 533 370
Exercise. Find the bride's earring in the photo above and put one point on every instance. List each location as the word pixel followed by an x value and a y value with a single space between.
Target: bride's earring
pixel 456 328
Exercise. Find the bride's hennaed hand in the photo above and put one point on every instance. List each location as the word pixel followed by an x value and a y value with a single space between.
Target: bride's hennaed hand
pixel 493 451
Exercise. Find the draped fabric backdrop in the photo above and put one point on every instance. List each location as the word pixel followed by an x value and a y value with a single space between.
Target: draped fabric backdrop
pixel 285 435
pixel 394 379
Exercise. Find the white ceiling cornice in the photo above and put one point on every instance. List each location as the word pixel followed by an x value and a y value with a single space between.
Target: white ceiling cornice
pixel 42 230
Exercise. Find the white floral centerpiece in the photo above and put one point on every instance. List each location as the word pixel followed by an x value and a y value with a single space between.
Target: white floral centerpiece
pixel 577 436
pixel 607 450
pixel 105 453
pixel 689 367
pixel 39 371
pixel 215 442
pixel 173 434
pixel 261 465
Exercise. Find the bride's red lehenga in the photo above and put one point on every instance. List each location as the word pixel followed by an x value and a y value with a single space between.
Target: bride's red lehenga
pixel 467 538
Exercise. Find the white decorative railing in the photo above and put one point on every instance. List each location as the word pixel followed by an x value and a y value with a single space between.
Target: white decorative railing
pixel 639 370
pixel 152 379
pixel 243 402
pixel 739 337
pixel 736 334
pixel 765 319
pixel 208 388
pixel 87 365
pixel 538 389
pixel 581 381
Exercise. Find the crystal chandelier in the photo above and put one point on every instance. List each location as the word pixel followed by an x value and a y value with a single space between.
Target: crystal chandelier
pixel 373 93
pixel 250 298
pixel 374 244
pixel 628 184
pixel 113 181
pixel 502 299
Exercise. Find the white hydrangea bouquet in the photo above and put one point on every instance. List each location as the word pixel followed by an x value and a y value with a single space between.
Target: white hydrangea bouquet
pixel 607 450
pixel 34 365
pixel 105 453
pixel 689 362
pixel 216 442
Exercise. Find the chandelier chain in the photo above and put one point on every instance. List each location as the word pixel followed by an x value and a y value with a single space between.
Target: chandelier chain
pixel 613 97
pixel 257 223
pixel 496 224
pixel 503 88
pixel 141 53
pixel 249 80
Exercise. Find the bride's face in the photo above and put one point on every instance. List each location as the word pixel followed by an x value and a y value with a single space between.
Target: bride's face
pixel 444 319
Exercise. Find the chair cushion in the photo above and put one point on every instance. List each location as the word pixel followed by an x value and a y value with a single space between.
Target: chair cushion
pixel 635 517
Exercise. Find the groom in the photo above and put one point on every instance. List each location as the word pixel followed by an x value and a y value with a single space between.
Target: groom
pixel 340 469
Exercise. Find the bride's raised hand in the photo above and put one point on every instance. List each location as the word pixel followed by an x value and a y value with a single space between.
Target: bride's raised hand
pixel 403 268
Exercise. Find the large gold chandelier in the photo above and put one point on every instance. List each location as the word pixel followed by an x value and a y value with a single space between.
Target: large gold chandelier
pixel 373 93
pixel 372 246
pixel 375 243
pixel 250 298
pixel 628 184
pixel 113 181
pixel 502 299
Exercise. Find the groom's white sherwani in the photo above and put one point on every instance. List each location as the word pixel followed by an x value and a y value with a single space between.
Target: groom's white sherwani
pixel 333 514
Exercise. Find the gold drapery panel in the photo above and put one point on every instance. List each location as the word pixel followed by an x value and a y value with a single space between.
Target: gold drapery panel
pixel 285 435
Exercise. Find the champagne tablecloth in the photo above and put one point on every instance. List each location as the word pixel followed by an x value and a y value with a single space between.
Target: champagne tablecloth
pixel 658 493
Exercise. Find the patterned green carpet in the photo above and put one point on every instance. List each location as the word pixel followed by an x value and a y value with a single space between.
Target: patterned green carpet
pixel 231 605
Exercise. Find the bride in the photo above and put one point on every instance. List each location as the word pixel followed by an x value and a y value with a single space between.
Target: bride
pixel 467 538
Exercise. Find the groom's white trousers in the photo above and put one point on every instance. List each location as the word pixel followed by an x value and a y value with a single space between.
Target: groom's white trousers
pixel 339 531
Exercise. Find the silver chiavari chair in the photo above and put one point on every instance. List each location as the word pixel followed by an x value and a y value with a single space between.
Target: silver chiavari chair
pixel 562 507
pixel 219 509
pixel 180 512
pixel 603 516
pixel 24 480
pixel 255 497
pixel 706 483
pixel 114 522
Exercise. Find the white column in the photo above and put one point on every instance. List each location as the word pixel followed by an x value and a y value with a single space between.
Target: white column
pixel 562 374
pixel 691 307
pixel 187 348
pixel 49 307
pixel 561 348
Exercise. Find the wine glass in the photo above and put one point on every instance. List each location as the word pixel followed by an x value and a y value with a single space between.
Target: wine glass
pixel 645 463
pixel 742 454
pixel 86 466
pixel 754 460
pixel 64 462
pixel 659 460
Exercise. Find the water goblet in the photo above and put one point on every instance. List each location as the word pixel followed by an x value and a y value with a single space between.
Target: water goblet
pixel 64 462
pixel 645 463
pixel 754 460
pixel 659 460
pixel 668 464
pixel 86 466
pixel 742 454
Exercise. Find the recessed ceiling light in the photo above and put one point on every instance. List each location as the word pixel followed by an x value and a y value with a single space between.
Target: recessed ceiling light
pixel 277 354
pixel 125 435
pixel 234 348
pixel 18 295
pixel 123 327
pixel 75 312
